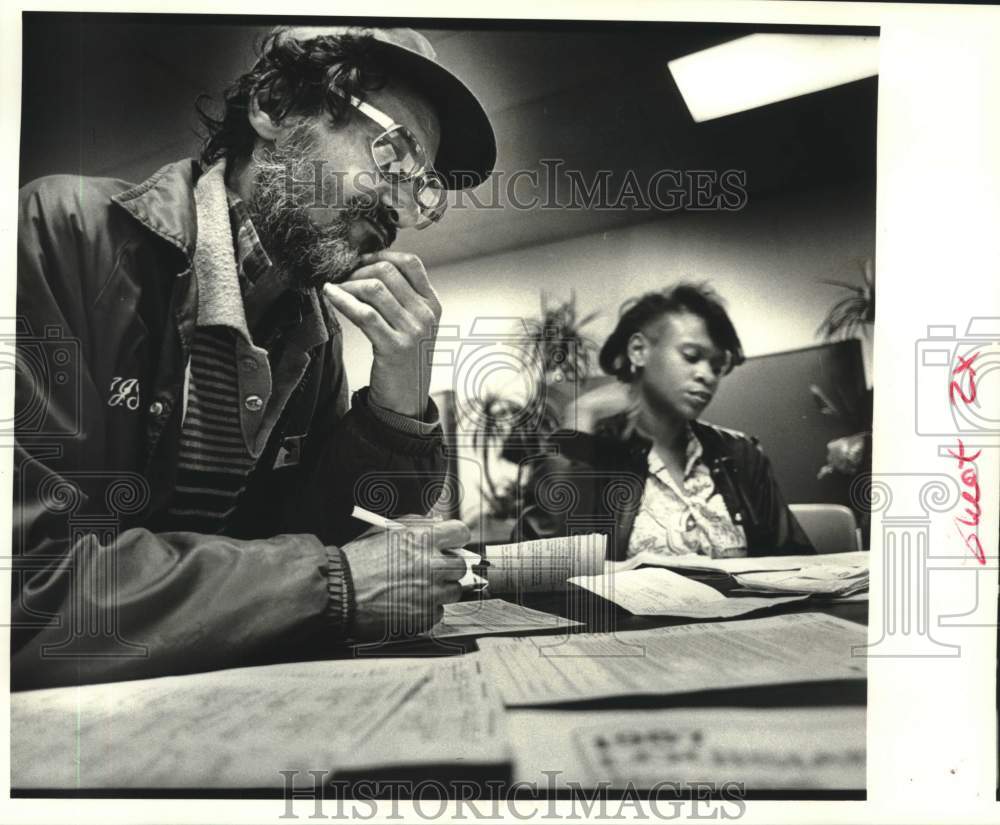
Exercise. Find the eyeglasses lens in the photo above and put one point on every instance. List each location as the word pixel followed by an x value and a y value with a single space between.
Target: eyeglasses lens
pixel 399 158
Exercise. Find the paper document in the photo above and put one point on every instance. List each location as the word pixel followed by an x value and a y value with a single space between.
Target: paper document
pixel 227 728
pixel 655 591
pixel 692 561
pixel 544 565
pixel 832 574
pixel 778 649
pixel 477 618
pixel 455 717
pixel 764 749
pixel 819 579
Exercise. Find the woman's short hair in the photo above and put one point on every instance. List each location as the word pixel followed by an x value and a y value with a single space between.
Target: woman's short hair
pixel 638 314
pixel 291 77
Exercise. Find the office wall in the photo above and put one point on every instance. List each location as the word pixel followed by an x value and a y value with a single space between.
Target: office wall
pixel 768 261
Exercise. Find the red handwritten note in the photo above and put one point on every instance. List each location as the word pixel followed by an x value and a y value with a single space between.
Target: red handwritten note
pixel 968 523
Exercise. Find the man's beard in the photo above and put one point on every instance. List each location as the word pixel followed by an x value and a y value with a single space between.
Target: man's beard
pixel 308 254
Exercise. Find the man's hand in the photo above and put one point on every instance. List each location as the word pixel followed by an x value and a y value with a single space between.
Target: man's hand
pixel 390 298
pixel 402 579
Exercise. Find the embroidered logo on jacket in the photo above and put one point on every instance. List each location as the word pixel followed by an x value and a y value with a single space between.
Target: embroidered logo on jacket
pixel 124 392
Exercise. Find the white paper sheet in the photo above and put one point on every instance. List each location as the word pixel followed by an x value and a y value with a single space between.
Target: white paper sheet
pixel 485 616
pixel 456 717
pixel 774 650
pixel 821 579
pixel 780 748
pixel 544 565
pixel 747 564
pixel 240 727
pixel 656 591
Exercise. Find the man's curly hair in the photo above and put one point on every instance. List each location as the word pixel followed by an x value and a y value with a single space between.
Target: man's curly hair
pixel 291 77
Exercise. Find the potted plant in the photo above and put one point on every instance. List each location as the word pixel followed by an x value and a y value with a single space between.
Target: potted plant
pixel 855 312
pixel 853 316
pixel 556 350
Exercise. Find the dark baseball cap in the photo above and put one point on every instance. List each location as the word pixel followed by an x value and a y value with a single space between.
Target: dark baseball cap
pixel 468 148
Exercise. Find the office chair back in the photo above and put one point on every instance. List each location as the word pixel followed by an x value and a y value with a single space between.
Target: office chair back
pixel 831 528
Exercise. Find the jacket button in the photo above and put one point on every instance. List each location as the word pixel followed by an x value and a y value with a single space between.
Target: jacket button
pixel 156 409
pixel 254 403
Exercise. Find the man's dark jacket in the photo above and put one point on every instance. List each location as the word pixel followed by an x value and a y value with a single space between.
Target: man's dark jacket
pixel 106 291
pixel 595 483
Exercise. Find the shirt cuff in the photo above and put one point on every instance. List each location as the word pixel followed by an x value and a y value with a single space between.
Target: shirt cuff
pixel 411 426
pixel 340 592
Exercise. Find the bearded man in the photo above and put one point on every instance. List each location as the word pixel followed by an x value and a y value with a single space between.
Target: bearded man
pixel 183 486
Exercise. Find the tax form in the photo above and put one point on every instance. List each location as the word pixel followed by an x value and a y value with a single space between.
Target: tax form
pixel 544 565
pixel 836 563
pixel 801 647
pixel 656 591
pixel 456 717
pixel 484 616
pixel 239 728
pixel 761 748
pixel 227 728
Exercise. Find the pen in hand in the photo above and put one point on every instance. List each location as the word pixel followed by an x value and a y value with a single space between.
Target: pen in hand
pixel 374 519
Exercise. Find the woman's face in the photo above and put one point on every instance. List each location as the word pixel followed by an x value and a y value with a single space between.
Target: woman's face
pixel 680 365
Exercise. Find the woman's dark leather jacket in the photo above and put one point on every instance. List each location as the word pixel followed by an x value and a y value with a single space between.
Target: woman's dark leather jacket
pixel 595 483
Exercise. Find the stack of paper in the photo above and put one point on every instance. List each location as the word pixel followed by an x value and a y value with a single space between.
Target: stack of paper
pixel 822 579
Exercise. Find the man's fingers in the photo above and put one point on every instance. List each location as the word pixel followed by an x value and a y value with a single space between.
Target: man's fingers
pixel 448 592
pixel 365 317
pixel 447 534
pixel 412 268
pixel 375 294
pixel 445 568
pixel 451 534
pixel 401 289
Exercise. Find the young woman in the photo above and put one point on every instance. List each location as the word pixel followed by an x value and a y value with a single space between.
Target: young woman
pixel 637 463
